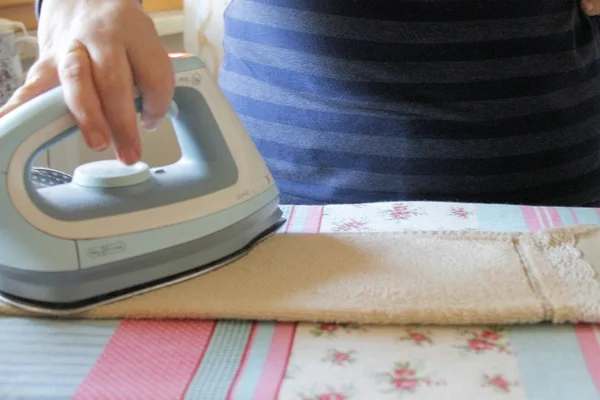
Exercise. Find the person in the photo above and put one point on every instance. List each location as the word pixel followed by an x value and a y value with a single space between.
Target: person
pixel 365 100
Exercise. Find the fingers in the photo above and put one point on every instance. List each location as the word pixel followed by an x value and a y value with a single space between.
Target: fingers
pixel 41 77
pixel 591 7
pixel 156 84
pixel 81 97
pixel 114 85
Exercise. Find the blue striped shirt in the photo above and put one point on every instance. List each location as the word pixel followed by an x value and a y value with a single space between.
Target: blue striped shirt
pixel 441 100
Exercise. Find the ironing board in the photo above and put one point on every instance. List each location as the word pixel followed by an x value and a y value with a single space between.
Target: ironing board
pixel 162 360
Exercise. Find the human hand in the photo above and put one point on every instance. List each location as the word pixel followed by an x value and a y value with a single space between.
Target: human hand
pixel 97 49
pixel 591 7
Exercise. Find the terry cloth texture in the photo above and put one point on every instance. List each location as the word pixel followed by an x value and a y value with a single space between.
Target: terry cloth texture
pixel 392 278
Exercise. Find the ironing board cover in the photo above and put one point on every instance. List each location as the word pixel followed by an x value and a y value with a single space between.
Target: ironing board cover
pixel 45 359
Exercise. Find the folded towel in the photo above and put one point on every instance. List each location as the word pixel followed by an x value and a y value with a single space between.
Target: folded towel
pixel 392 278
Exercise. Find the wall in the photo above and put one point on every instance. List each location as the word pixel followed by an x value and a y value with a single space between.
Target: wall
pixel 203 32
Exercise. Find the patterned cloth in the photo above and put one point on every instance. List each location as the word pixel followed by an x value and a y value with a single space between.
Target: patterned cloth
pixel 213 360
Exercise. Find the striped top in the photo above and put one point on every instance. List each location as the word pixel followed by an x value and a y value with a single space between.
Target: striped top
pixel 442 100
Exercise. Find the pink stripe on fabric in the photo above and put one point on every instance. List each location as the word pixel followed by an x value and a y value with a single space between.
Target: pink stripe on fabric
pixel 574 215
pixel 313 219
pixel 289 219
pixel 555 216
pixel 544 216
pixel 277 362
pixel 531 218
pixel 590 350
pixel 148 360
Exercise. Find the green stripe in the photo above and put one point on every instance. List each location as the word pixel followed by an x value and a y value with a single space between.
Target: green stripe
pixel 221 361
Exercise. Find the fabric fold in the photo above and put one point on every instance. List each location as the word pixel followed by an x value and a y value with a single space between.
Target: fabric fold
pixel 410 277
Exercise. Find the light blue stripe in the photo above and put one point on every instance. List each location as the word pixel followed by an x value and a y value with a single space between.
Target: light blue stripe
pixel 587 216
pixel 500 218
pixel 566 216
pixel 551 364
pixel 47 359
pixel 221 361
pixel 255 362
pixel 298 219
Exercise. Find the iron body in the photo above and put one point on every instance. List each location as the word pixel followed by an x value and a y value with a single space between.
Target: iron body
pixel 115 231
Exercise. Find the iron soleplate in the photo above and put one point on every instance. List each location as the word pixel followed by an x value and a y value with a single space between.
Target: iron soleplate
pixel 67 309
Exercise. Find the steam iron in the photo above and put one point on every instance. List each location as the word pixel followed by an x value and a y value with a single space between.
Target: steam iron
pixel 115 231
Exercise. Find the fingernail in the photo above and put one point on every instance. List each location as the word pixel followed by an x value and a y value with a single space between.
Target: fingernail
pixel 97 141
pixel 129 156
pixel 150 124
pixel 588 5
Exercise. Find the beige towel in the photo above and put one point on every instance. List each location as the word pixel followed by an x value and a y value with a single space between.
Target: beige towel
pixel 385 278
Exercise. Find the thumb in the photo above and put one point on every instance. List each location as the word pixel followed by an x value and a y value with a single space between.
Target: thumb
pixel 42 76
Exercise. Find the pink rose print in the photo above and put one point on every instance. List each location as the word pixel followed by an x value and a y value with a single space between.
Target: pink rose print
pixel 338 357
pixel 329 393
pixel 404 372
pixel 490 335
pixel 498 383
pixel 332 396
pixel 406 378
pixel 402 211
pixel 330 330
pixel 480 345
pixel 460 212
pixel 419 338
pixel 329 327
pixel 357 225
pixel 406 384
pixel 486 340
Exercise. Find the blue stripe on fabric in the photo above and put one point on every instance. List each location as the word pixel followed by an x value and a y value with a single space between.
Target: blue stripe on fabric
pixel 351 49
pixel 378 30
pixel 500 218
pixel 409 127
pixel 434 72
pixel 319 193
pixel 411 92
pixel 426 11
pixel 551 365
pixel 419 147
pixel 322 194
pixel 45 359
pixel 460 165
pixel 255 362
pixel 221 361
